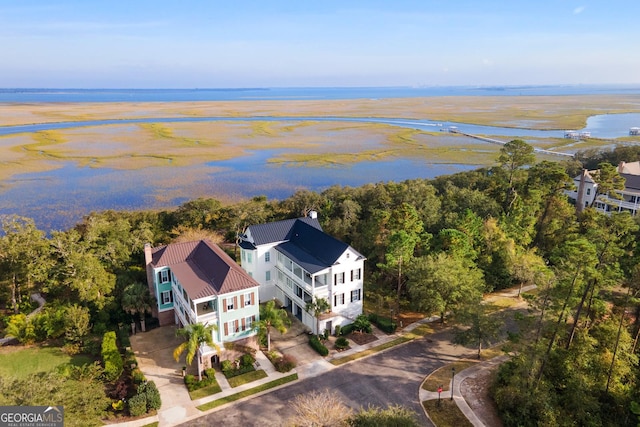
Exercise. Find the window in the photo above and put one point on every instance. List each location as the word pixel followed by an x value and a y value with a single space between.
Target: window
pixel 230 305
pixel 339 278
pixel 248 323
pixel 167 297
pixel 298 292
pixel 267 276
pixel 355 274
pixel 355 295
pixel 267 257
pixel 338 299
pixel 231 327
pixel 249 257
pixel 588 191
pixel 248 299
pixel 243 255
pixel 164 276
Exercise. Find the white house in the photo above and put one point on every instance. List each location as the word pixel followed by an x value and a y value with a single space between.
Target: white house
pixel 197 282
pixel 627 200
pixel 295 262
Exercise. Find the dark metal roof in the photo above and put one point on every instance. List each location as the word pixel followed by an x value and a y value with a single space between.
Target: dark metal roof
pixel 279 231
pixel 202 268
pixel 632 182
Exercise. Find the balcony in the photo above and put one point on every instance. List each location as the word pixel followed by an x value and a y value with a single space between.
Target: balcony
pixel 608 204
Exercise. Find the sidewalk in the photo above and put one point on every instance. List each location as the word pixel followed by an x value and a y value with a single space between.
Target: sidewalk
pixel 178 407
pixel 460 377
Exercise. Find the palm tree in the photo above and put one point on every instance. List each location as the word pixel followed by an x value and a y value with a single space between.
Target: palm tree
pixel 136 299
pixel 272 317
pixel 195 336
pixel 318 306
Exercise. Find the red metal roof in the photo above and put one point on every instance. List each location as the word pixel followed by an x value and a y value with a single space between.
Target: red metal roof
pixel 202 268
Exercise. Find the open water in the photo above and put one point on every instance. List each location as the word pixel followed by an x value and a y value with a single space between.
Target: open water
pixel 245 94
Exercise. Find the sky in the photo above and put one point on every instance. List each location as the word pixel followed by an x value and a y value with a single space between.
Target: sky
pixel 327 43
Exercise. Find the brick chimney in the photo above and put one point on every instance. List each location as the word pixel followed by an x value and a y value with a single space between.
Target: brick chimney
pixel 148 259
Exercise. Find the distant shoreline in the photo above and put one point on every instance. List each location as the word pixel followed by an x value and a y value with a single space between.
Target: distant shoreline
pixel 20 95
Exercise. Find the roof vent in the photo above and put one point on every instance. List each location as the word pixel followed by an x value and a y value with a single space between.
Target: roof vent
pixel 313 214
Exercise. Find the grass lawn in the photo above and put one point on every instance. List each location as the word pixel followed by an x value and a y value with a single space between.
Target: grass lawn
pixel 249 392
pixel 442 376
pixel 373 350
pixel 205 391
pixel 20 361
pixel 246 378
pixel 447 415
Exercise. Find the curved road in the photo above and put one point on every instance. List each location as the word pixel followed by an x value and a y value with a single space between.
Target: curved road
pixel 391 377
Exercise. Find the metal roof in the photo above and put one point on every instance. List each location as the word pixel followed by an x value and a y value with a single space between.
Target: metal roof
pixel 303 241
pixel 279 231
pixel 202 268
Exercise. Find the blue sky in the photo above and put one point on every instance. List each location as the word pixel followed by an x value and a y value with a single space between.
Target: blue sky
pixel 271 43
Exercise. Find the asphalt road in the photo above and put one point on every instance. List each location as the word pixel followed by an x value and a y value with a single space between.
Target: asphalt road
pixel 392 377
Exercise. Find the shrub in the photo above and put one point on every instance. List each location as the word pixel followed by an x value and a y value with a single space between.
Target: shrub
pixel 92 346
pixel 118 405
pixel 247 360
pixel 347 329
pixel 120 390
pixel 138 405
pixel 193 384
pixel 315 343
pixel 272 356
pixel 137 376
pixel 285 363
pixel 362 324
pixel 226 365
pixel 152 395
pixel 342 343
pixel 384 323
pixel 190 381
pixel 76 324
pixel 113 364
pixel 338 330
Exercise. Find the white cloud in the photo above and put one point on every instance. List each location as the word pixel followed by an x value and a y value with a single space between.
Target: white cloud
pixel 578 10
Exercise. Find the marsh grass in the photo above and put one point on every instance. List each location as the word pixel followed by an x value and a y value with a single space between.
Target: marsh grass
pixel 306 143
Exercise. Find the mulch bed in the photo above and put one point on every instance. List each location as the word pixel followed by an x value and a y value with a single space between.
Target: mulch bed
pixel 361 338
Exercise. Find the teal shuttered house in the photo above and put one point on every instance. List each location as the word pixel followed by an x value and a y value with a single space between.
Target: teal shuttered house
pixel 197 282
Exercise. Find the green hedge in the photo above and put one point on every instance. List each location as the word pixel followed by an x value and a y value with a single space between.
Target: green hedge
pixel 315 343
pixel 347 329
pixel 193 384
pixel 383 323
pixel 245 365
pixel 113 364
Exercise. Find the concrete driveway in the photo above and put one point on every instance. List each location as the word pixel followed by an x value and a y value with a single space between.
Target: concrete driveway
pixel 154 350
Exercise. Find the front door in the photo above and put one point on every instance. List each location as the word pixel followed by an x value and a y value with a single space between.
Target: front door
pixel 329 326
